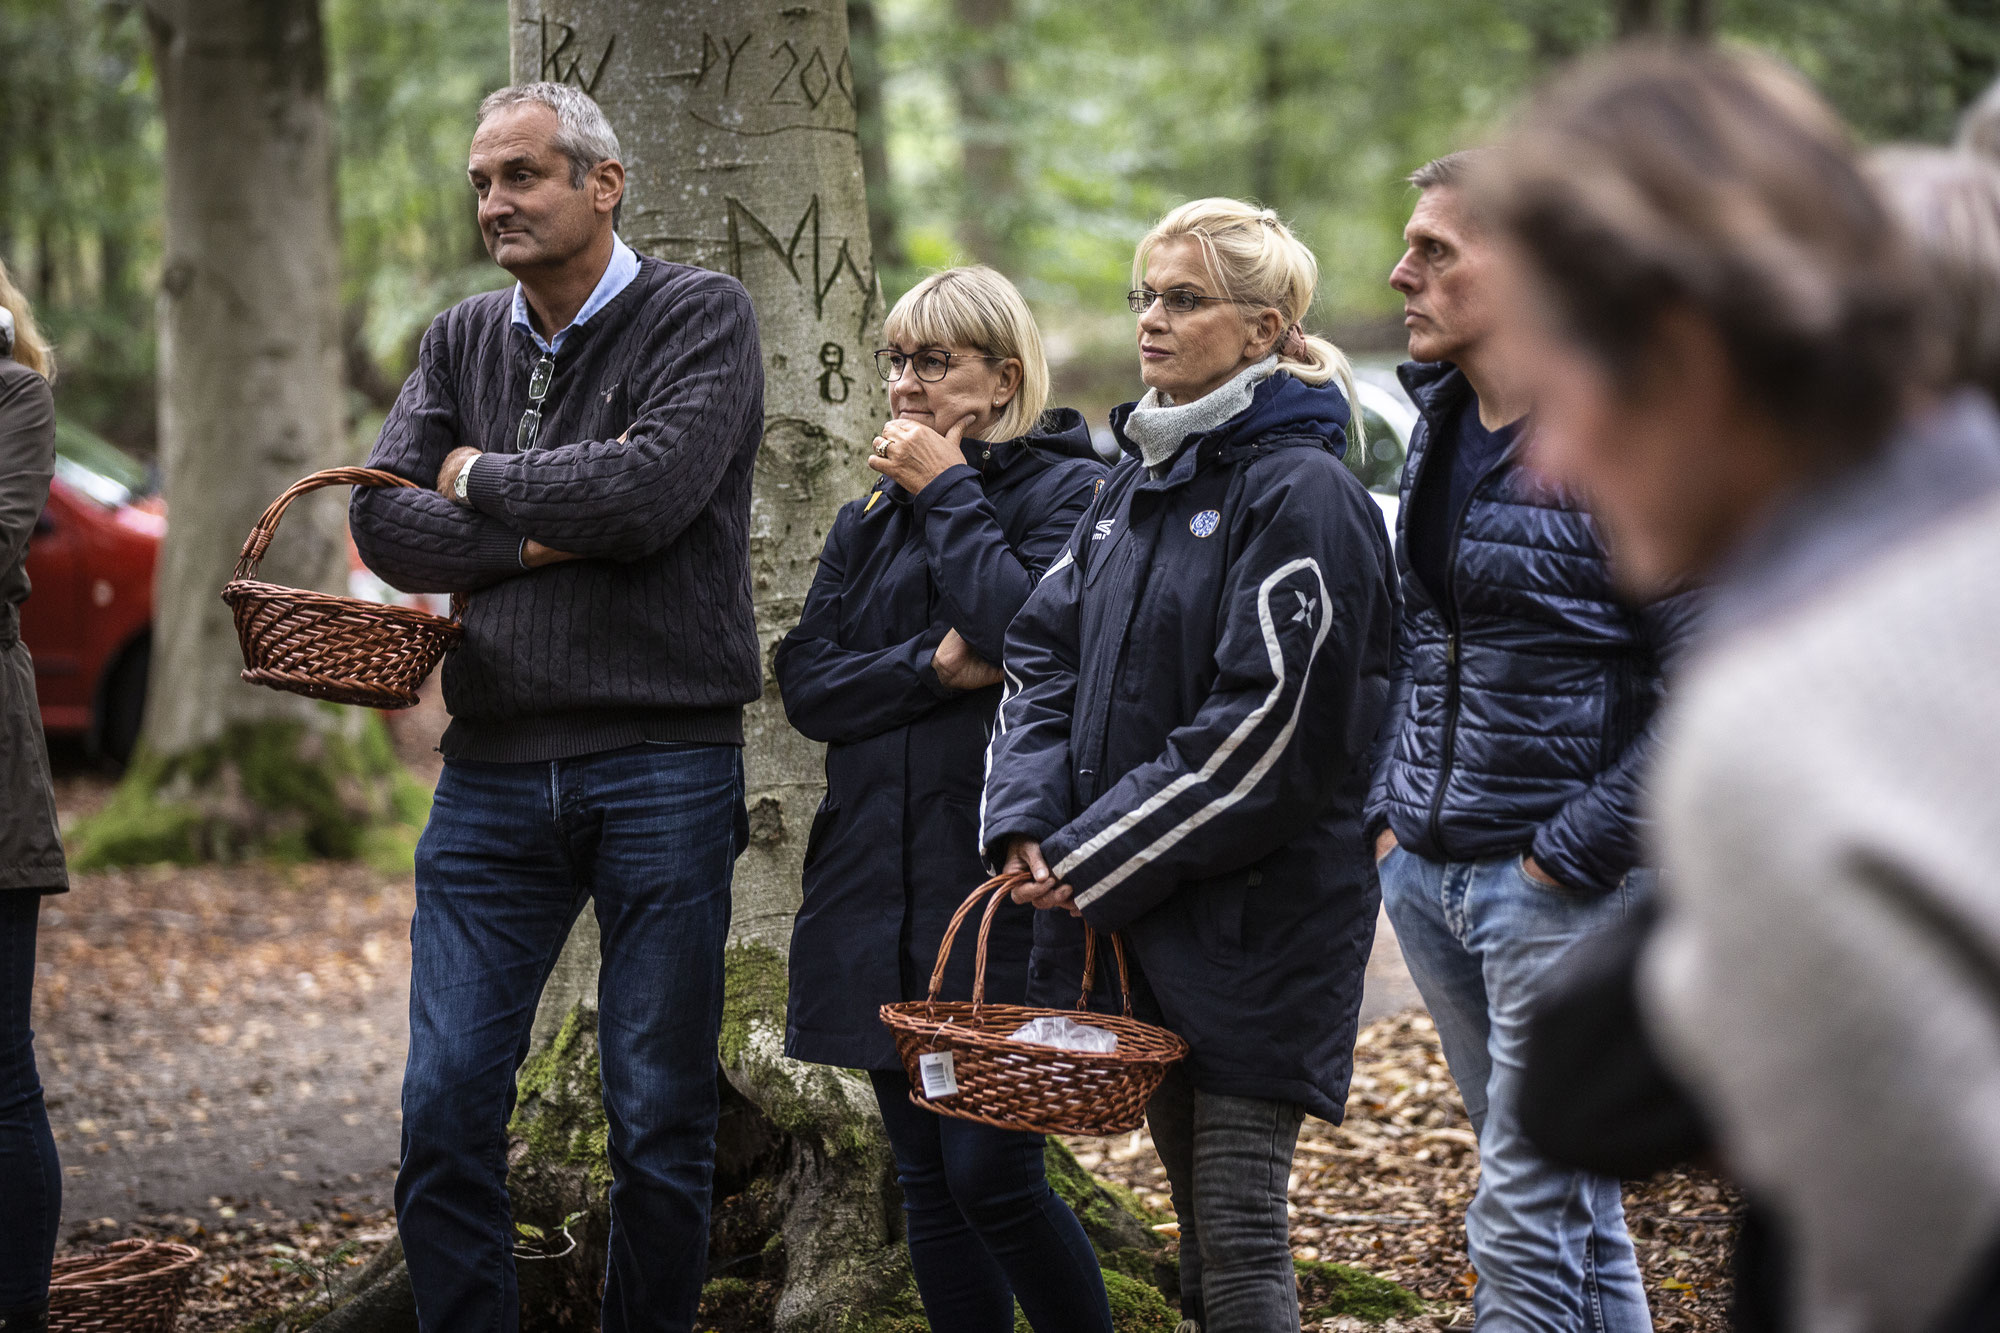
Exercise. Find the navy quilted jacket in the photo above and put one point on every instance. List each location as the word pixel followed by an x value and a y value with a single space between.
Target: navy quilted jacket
pixel 1520 715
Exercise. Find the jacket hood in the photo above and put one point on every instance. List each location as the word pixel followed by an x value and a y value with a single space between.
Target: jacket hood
pixel 1061 433
pixel 1281 408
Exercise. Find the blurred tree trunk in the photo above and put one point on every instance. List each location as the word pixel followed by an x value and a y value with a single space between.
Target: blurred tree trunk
pixel 249 402
pixel 984 84
pixel 865 40
pixel 1637 18
pixel 1271 130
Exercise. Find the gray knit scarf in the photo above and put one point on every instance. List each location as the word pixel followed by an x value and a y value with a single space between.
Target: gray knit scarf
pixel 1159 426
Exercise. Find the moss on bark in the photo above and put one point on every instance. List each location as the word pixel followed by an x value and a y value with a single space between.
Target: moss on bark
pixel 277 788
pixel 559 1118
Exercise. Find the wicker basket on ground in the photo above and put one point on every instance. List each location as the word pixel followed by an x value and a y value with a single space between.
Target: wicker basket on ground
pixel 129 1286
pixel 344 649
pixel 1021 1084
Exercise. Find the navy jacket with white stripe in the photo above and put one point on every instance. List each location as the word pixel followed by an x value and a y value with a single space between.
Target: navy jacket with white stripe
pixel 1192 694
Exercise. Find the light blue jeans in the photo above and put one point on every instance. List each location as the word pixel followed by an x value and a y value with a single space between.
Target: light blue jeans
pixel 1483 942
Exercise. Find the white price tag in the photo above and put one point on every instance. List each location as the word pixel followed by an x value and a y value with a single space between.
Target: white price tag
pixel 939 1079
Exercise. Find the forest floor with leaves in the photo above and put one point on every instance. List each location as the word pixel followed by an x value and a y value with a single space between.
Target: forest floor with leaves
pixel 222 1049
pixel 1386 1191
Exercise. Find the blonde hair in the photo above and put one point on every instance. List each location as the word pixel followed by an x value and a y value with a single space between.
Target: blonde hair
pixel 30 348
pixel 1254 257
pixel 976 307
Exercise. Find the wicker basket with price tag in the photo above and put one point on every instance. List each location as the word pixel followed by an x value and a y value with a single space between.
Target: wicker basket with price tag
pixel 981 1061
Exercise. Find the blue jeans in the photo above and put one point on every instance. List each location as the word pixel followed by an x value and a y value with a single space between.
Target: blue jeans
pixel 649 834
pixel 30 1177
pixel 1483 941
pixel 985 1228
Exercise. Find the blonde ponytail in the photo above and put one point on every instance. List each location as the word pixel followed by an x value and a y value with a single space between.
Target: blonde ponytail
pixel 1255 257
pixel 30 348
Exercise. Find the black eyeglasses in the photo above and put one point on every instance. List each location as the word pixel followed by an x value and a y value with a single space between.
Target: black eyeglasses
pixel 538 388
pixel 931 366
pixel 1178 301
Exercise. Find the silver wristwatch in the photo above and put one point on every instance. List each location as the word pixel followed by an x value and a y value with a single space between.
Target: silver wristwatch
pixel 462 483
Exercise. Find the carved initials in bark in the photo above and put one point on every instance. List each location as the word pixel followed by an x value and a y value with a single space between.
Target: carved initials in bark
pixel 551 66
pixel 824 273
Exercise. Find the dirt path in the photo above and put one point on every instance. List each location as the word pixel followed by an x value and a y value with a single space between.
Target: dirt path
pixel 227 1042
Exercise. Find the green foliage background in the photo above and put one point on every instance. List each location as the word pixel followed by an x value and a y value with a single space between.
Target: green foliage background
pixel 1040 135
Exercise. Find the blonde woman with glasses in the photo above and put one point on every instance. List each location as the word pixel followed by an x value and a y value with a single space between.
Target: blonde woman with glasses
pixel 31 859
pixel 1183 751
pixel 896 666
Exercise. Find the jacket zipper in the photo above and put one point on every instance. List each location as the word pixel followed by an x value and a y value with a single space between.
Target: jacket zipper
pixel 1451 649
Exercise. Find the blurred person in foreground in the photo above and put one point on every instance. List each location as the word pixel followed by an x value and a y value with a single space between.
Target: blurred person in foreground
pixel 1182 751
pixel 582 444
pixel 31 856
pixel 1730 358
pixel 1505 804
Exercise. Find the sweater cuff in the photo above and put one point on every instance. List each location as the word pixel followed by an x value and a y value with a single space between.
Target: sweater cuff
pixel 497 550
pixel 950 479
pixel 483 489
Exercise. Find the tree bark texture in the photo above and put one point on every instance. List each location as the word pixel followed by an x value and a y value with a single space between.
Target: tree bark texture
pixel 250 355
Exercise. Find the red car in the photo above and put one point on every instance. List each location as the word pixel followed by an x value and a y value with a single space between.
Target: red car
pixel 89 620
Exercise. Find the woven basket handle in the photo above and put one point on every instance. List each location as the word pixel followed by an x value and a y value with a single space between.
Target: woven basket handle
pixel 259 540
pixel 998 888
pixel 1090 969
pixel 996 891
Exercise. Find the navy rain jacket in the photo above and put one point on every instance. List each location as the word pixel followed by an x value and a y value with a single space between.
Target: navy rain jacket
pixel 1521 718
pixel 1192 695
pixel 894 848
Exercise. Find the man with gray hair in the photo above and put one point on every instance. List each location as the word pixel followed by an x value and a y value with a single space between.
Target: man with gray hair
pixel 582 447
pixel 1505 800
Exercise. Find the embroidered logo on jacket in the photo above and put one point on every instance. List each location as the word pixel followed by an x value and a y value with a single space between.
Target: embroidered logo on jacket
pixel 1104 526
pixel 1206 522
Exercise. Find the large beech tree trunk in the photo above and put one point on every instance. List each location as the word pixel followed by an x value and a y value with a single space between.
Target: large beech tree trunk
pixel 250 400
pixel 739 130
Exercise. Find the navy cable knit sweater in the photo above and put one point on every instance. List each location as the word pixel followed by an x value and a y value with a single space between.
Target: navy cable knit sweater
pixel 651 635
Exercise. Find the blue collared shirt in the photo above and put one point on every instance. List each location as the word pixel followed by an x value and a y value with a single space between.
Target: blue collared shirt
pixel 624 267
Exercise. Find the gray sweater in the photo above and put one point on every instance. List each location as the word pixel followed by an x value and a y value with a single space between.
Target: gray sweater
pixel 1827 972
pixel 651 635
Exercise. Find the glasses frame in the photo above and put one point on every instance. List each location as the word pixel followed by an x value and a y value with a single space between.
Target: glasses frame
pixel 886 368
pixel 539 378
pixel 1141 299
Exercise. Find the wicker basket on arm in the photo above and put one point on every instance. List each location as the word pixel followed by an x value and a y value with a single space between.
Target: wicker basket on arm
pixel 1026 1085
pixel 344 649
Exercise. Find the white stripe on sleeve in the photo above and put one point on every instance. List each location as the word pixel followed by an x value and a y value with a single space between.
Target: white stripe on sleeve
pixel 1125 823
